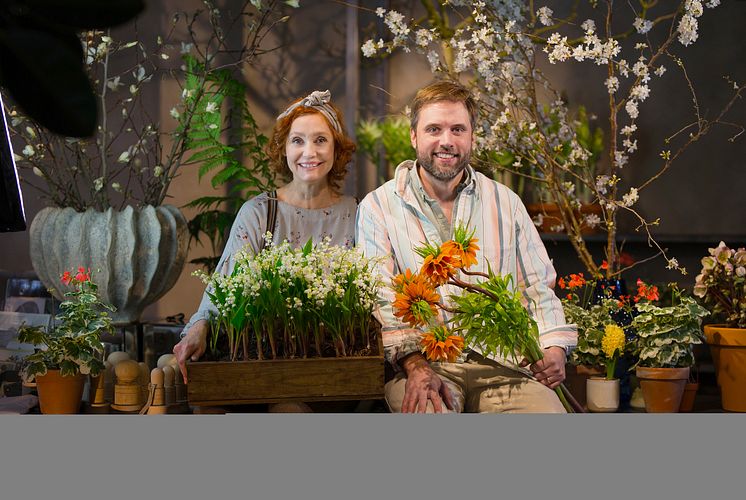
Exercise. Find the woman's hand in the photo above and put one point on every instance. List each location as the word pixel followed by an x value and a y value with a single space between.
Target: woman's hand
pixel 192 346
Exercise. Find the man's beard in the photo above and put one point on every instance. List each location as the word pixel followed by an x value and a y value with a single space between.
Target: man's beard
pixel 443 174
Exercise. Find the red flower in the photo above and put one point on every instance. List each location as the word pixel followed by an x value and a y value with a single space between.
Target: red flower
pixel 604 265
pixel 83 275
pixel 647 292
pixel 67 277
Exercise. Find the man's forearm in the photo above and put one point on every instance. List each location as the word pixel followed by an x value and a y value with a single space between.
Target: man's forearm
pixel 413 361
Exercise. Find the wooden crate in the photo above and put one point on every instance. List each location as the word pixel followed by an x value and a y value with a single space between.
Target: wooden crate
pixel 214 383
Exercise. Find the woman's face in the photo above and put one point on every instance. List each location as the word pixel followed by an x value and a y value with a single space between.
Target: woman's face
pixel 310 149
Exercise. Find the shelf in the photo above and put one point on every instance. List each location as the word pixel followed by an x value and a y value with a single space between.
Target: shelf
pixel 731 240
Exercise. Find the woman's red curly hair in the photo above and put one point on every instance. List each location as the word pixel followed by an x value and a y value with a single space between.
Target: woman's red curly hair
pixel 344 148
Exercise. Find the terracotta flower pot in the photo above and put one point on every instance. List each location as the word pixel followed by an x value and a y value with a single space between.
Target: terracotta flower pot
pixel 687 400
pixel 728 347
pixel 550 216
pixel 602 394
pixel 58 394
pixel 662 388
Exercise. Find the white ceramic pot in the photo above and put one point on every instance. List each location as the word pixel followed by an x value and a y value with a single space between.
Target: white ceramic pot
pixel 602 395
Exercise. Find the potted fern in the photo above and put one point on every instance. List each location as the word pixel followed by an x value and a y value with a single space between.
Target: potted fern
pixel 664 347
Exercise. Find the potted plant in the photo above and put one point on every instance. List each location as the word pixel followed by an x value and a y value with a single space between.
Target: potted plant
pixel 594 305
pixel 71 348
pixel 664 347
pixel 603 392
pixel 721 286
pixel 293 324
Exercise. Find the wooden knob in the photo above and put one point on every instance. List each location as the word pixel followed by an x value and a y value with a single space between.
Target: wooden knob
pixel 165 360
pixel 127 372
pixel 156 377
pixel 116 357
pixel 168 375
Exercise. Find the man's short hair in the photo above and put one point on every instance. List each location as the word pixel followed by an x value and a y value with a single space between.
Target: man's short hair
pixel 443 90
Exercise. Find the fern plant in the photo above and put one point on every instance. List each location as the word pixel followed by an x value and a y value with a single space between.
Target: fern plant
pixel 238 162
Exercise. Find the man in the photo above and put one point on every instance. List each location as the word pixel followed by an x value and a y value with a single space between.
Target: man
pixel 422 204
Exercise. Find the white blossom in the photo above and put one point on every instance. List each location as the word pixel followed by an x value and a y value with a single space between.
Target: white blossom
pixel 369 48
pixel 124 157
pixel 642 25
pixel 640 92
pixel 630 198
pixel 545 15
pixel 687 30
pixel 29 151
pixel 612 84
pixel 631 108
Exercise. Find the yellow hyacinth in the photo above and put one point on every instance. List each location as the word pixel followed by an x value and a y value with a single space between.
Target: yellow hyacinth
pixel 613 339
pixel 612 344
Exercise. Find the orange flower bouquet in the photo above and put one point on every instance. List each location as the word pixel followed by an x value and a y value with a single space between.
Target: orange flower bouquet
pixel 488 315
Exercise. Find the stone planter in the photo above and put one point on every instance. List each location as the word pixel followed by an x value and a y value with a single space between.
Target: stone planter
pixel 135 255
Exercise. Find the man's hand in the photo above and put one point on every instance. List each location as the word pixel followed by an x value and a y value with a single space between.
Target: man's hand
pixel 424 385
pixel 550 370
pixel 192 346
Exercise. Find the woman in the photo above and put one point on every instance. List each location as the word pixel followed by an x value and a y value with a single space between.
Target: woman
pixel 309 147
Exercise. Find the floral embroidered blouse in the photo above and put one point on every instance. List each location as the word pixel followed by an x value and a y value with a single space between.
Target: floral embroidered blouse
pixel 294 224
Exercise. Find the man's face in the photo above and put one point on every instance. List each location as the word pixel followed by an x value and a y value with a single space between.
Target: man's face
pixel 443 139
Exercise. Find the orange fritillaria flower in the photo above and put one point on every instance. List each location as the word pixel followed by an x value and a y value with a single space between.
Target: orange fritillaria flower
pixel 439 345
pixel 416 303
pixel 398 281
pixel 439 268
pixel 465 254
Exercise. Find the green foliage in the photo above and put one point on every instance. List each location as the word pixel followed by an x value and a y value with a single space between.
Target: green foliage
pixel 497 322
pixel 390 136
pixel 591 322
pixel 666 335
pixel 721 284
pixel 294 301
pixel 238 161
pixel 73 343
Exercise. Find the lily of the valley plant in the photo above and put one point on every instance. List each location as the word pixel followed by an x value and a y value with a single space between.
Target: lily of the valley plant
pixel 488 314
pixel 72 344
pixel 496 47
pixel 302 302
